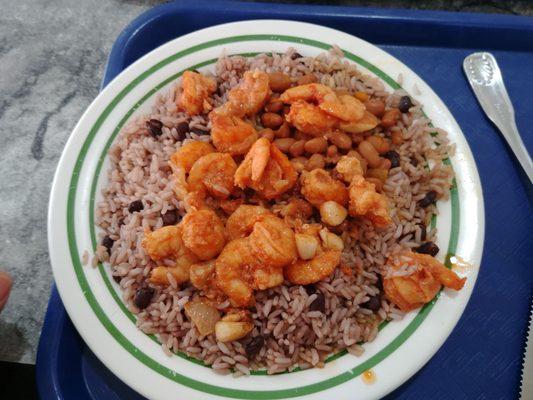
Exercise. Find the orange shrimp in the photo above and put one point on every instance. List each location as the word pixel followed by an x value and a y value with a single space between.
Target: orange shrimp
pixel 249 96
pixel 238 273
pixel 196 89
pixel 366 202
pixel 182 161
pixel 412 290
pixel 203 233
pixel 305 272
pixel 254 164
pixel 272 241
pixel 348 167
pixel 241 222
pixel 318 187
pixel 344 107
pixel 167 243
pixel 230 134
pixel 267 170
pixel 366 123
pixel 214 172
pixel 163 243
pixel 310 119
pixel 189 153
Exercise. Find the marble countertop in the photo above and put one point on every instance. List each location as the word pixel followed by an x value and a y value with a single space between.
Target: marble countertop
pixel 52 56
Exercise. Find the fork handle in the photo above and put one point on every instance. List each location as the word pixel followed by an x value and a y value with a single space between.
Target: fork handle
pixel 512 136
pixel 485 78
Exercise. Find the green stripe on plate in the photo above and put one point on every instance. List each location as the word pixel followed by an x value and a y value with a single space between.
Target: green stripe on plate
pixel 106 322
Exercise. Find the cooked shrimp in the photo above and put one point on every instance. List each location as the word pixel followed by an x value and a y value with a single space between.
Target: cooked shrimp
pixel 196 200
pixel 366 123
pixel 366 202
pixel 196 89
pixel 444 275
pixel 181 188
pixel 343 107
pixel 279 176
pixel 273 171
pixel 421 286
pixel 305 272
pixel 312 92
pixel 215 173
pixel 180 273
pixel 167 243
pixel 241 222
pixel 266 276
pixel 163 243
pixel 189 153
pixel 229 205
pixel 348 167
pixel 295 208
pixel 272 241
pixel 254 164
pixel 310 119
pixel 202 275
pixel 203 233
pixel 231 134
pixel 318 187
pixel 249 96
pixel 239 273
pixel 182 161
pixel 231 268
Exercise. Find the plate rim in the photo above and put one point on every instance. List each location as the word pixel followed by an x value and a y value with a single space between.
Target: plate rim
pixel 140 62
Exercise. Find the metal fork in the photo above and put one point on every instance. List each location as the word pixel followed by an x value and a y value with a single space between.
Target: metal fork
pixel 485 78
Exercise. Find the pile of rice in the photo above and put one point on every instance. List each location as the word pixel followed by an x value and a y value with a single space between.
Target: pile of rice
pixel 295 337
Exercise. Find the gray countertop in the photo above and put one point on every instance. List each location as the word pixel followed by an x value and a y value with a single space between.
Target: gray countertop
pixel 52 56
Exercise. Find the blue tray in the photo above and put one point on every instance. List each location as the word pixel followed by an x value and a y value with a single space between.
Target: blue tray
pixel 482 357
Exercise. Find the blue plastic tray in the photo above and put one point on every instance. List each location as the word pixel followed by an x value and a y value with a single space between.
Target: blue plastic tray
pixel 482 357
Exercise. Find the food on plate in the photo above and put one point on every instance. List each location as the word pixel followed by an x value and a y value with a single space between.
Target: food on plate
pixel 280 215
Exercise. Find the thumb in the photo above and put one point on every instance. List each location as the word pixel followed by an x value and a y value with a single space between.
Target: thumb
pixel 5 287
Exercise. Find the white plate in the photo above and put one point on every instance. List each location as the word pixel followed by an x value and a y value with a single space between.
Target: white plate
pixel 92 298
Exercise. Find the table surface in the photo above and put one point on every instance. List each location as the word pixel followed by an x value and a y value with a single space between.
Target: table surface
pixel 52 55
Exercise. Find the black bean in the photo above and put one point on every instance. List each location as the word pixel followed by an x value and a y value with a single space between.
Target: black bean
pixel 318 304
pixel 295 55
pixel 107 242
pixel 199 131
pixel 373 304
pixel 414 161
pixel 310 289
pixel 428 199
pixel 254 347
pixel 393 157
pixel 428 248
pixel 379 284
pixel 143 297
pixel 135 206
pixel 405 104
pixel 169 218
pixel 117 278
pixel 155 126
pixel 423 232
pixel 182 128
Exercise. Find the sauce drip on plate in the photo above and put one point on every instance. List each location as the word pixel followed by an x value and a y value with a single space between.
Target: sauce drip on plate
pixel 460 265
pixel 369 377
